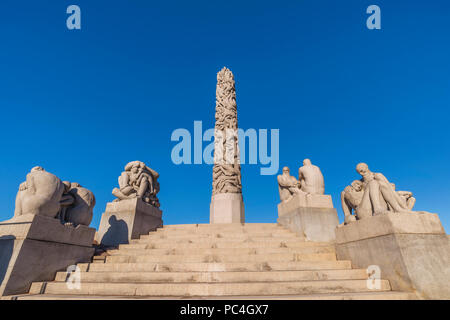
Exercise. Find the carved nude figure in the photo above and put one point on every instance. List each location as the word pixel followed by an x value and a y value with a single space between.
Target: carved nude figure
pixel 81 211
pixel 407 196
pixel 139 181
pixel 39 194
pixel 350 199
pixel 288 186
pixel 311 178
pixel 45 194
pixel 379 195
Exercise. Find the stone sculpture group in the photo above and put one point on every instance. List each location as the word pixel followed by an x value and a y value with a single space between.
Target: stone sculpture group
pixel 373 195
pixel 374 212
pixel 138 181
pixel 227 168
pixel 310 181
pixel 45 194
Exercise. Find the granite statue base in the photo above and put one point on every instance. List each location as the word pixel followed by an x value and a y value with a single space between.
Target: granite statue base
pixel 311 216
pixel 127 219
pixel 227 208
pixel 412 251
pixel 33 248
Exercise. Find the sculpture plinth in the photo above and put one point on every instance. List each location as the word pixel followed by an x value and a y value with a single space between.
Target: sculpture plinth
pixel 411 250
pixel 127 219
pixel 311 216
pixel 304 207
pixel 35 247
pixel 227 208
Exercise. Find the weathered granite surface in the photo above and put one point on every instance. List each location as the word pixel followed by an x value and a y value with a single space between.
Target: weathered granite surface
pixel 34 247
pixel 411 249
pixel 226 201
pixel 311 216
pixel 127 219
pixel 227 208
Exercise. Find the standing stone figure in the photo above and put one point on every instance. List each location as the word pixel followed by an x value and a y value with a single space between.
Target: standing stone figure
pixel 227 168
pixel 45 194
pixel 311 178
pixel 138 181
pixel 288 186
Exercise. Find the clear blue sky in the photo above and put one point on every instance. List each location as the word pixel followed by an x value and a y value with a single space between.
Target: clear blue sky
pixel 84 103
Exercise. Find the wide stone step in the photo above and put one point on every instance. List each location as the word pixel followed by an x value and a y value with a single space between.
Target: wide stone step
pixel 199 231
pixel 223 245
pixel 249 276
pixel 220 251
pixel 214 267
pixel 232 226
pixel 176 241
pixel 237 235
pixel 384 295
pixel 124 258
pixel 210 289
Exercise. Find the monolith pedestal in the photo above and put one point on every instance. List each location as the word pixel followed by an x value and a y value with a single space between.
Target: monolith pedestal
pixel 311 216
pixel 127 219
pixel 227 208
pixel 34 247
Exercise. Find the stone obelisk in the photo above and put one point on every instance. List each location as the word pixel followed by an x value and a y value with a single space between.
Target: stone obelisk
pixel 227 205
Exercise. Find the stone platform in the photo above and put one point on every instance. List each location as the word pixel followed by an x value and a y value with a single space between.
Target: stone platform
pixel 34 248
pixel 412 251
pixel 127 219
pixel 218 261
pixel 227 208
pixel 311 216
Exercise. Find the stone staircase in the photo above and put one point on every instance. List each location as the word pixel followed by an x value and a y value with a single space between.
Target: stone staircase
pixel 229 261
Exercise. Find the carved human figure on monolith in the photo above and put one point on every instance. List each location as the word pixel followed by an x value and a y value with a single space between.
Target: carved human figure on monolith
pixel 288 186
pixel 311 178
pixel 227 168
pixel 138 181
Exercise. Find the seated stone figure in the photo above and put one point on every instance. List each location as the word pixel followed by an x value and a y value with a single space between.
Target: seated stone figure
pixel 139 181
pixel 350 199
pixel 379 195
pixel 45 194
pixel 288 186
pixel 311 178
pixel 40 194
